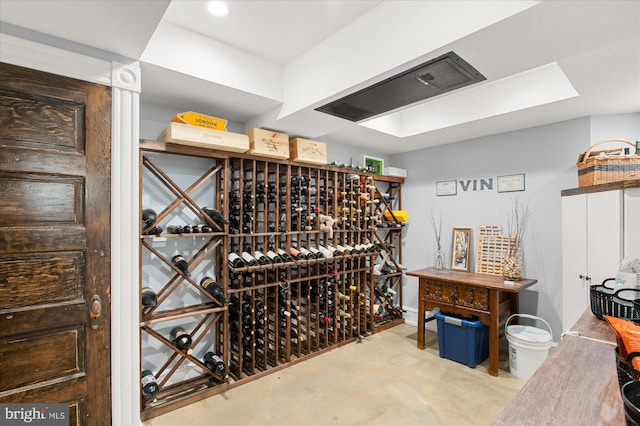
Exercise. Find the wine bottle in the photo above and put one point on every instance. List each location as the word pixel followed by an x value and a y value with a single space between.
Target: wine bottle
pixel 325 251
pixel 284 256
pixel 234 311
pixel 317 253
pixel 215 363
pixel 201 229
pixel 216 216
pixel 181 340
pixel 248 259
pixel 247 308
pixel 334 251
pixel 235 261
pixel 181 263
pixel 343 296
pixel 214 289
pixel 156 230
pixel 177 229
pixel 308 254
pixel 150 387
pixel 637 147
pixel 261 258
pixel 344 314
pixel 149 217
pixel 296 254
pixel 149 298
pixel 342 250
pixel 274 257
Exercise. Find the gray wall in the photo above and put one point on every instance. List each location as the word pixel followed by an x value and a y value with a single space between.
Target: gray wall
pixel 546 155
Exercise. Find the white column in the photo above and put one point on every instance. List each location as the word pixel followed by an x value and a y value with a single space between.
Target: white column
pixel 125 334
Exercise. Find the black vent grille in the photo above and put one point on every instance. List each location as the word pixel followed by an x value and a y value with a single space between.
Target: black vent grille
pixel 435 77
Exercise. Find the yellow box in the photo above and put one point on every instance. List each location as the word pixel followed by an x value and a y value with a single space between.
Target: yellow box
pixel 185 134
pixel 401 215
pixel 307 151
pixel 200 120
pixel 267 143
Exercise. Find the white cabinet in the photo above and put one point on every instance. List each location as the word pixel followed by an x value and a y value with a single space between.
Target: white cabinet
pixel 592 246
pixel 632 222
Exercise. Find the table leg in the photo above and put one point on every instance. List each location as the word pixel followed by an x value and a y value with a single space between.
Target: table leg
pixel 494 332
pixel 514 308
pixel 421 325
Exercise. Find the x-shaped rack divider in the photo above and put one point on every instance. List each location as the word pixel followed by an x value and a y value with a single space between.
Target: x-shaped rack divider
pixel 182 196
pixel 195 337
pixel 178 278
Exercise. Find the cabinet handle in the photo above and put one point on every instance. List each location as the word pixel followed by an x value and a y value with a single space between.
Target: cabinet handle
pixel 581 276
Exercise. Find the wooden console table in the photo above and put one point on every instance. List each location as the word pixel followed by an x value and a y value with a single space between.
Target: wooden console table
pixel 465 293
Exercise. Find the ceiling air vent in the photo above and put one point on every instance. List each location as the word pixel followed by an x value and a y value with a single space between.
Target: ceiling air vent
pixel 435 77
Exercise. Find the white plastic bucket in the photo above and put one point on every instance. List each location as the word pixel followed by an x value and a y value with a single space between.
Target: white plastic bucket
pixel 528 346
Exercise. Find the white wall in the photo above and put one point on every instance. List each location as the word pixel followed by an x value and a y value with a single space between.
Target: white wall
pixel 546 155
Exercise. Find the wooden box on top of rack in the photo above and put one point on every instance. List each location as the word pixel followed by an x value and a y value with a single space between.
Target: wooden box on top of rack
pixel 307 151
pixel 267 143
pixel 186 134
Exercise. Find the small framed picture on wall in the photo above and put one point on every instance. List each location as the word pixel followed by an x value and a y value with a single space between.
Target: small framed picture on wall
pixel 373 164
pixel 461 249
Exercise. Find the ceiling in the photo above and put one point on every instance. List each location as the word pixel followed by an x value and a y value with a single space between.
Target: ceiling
pixel 271 63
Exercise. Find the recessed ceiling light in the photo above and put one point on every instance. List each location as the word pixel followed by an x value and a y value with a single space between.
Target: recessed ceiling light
pixel 218 8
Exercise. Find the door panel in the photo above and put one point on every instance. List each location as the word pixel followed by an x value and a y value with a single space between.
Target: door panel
pixel 604 235
pixel 54 242
pixel 575 291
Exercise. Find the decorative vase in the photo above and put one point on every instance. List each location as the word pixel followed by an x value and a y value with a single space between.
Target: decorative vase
pixel 438 261
pixel 511 268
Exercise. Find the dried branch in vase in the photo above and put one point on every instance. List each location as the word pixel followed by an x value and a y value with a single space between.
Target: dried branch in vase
pixel 518 219
pixel 511 266
pixel 437 230
pixel 438 261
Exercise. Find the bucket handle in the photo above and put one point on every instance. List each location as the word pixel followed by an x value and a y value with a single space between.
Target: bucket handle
pixel 533 317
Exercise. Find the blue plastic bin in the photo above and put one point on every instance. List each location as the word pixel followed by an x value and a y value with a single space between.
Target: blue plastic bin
pixel 462 340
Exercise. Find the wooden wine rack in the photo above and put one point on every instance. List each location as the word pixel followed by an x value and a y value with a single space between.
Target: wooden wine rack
pixel 277 314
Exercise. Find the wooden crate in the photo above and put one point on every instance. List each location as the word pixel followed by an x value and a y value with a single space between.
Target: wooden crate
pixel 492 247
pixel 185 134
pixel 267 143
pixel 307 151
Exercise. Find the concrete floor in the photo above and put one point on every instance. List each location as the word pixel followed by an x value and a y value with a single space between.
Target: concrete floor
pixel 385 380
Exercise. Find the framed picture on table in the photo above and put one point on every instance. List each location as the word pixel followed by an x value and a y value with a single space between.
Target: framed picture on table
pixel 461 249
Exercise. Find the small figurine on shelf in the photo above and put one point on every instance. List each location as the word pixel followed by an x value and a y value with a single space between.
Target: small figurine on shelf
pixel 326 224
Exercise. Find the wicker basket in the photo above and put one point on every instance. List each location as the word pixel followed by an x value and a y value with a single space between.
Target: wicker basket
pixel 604 166
pixel 631 399
pixel 623 303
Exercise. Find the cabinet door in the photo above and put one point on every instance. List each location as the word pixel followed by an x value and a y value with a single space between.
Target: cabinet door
pixel 604 235
pixel 631 222
pixel 574 258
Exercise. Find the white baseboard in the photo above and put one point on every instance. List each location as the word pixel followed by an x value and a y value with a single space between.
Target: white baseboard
pixel 411 318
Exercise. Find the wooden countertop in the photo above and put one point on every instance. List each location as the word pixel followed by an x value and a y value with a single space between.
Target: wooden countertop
pixel 577 383
pixel 494 282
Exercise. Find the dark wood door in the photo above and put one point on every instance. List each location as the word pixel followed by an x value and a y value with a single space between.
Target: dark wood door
pixel 55 257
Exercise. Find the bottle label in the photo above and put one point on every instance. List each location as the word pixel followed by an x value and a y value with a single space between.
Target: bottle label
pixel 207 282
